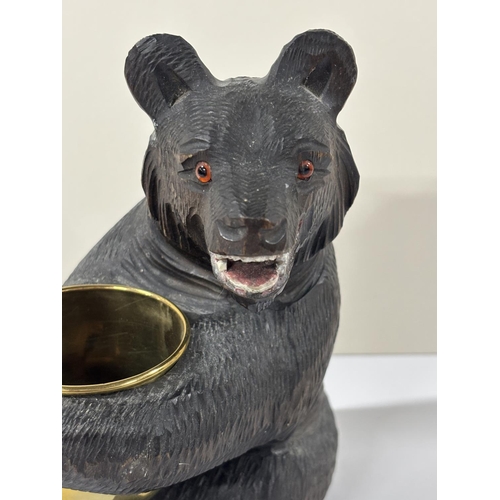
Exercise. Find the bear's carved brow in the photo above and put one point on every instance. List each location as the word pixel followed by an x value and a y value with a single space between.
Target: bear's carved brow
pixel 310 145
pixel 194 146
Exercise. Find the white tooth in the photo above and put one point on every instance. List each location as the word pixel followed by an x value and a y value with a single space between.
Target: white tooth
pixel 241 258
pixel 264 258
pixel 221 265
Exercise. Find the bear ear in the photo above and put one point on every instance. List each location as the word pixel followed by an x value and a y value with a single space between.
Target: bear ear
pixel 161 68
pixel 320 61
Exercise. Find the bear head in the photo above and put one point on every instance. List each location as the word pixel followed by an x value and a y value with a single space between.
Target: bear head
pixel 247 175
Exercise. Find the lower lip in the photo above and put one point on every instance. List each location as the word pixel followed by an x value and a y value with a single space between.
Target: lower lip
pixel 246 289
pixel 252 275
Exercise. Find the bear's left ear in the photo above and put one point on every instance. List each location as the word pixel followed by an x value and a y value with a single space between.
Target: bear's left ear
pixel 320 61
pixel 160 69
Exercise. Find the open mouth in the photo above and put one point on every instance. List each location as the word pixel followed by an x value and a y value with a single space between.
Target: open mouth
pixel 252 276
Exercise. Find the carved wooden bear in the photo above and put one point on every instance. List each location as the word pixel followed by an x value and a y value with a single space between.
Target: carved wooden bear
pixel 247 182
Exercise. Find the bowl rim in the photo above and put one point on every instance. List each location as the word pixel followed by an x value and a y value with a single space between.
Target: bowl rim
pixel 141 378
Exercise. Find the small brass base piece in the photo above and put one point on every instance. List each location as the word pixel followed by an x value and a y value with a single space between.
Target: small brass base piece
pixel 68 494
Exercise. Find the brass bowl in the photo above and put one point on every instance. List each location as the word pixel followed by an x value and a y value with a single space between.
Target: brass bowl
pixel 117 337
pixel 84 495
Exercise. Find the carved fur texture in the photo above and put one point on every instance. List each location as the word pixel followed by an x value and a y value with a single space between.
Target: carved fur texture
pixel 247 256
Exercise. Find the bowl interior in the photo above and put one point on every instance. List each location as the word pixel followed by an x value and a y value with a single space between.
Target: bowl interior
pixel 112 333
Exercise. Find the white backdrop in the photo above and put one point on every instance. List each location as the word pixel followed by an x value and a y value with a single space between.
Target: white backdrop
pixel 386 251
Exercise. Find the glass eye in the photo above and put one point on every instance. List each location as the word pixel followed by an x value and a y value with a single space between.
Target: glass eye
pixel 306 169
pixel 203 171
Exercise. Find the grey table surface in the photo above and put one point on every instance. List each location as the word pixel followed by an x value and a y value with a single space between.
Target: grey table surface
pixel 386 453
pixel 386 412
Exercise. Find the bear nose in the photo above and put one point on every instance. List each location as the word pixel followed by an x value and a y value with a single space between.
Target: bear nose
pixel 256 232
pixel 273 236
pixel 232 229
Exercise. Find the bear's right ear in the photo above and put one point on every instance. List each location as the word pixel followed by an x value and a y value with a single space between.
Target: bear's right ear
pixel 161 68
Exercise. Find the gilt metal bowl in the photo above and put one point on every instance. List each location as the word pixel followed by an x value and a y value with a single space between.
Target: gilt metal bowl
pixel 116 337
